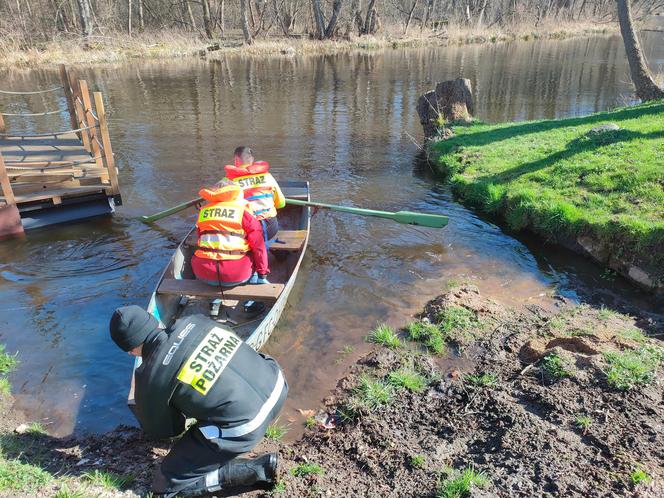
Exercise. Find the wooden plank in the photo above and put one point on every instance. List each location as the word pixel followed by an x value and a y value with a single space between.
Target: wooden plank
pixel 85 135
pixel 63 193
pixel 259 292
pixel 92 123
pixel 289 240
pixel 296 192
pixel 7 191
pixel 66 84
pixel 106 141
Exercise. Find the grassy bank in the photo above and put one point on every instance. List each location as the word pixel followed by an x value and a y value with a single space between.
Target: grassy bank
pixel 478 399
pixel 598 193
pixel 118 47
pixel 469 396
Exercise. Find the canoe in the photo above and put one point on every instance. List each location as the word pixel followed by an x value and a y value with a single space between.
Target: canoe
pixel 179 294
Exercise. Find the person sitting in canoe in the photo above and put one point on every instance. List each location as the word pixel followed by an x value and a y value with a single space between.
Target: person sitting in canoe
pixel 259 187
pixel 231 248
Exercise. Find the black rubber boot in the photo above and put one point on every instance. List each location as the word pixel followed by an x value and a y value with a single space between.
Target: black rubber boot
pixel 249 471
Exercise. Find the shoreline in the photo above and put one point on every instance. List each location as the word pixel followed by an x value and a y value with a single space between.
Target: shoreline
pixel 468 384
pixel 118 47
pixel 558 179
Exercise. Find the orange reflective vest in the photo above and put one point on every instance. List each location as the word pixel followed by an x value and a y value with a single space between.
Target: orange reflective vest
pixel 259 187
pixel 220 232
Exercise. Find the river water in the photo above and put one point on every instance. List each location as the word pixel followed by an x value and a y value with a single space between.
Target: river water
pixel 347 123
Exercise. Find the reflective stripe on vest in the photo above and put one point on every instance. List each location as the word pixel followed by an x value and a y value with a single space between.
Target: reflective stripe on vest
pixel 258 191
pixel 214 432
pixel 221 234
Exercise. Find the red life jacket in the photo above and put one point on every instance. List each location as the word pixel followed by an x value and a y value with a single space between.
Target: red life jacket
pixel 258 186
pixel 220 232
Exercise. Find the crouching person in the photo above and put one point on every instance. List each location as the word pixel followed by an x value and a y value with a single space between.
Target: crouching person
pixel 201 370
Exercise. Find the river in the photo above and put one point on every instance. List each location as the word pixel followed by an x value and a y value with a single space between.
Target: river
pixel 347 123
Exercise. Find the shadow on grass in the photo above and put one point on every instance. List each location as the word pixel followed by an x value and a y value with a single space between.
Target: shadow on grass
pixel 123 452
pixel 574 147
pixel 521 129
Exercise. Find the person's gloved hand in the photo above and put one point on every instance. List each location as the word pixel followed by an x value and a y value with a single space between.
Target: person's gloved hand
pixel 258 279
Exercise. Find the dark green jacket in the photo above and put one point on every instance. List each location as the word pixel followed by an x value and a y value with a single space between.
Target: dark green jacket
pixel 201 369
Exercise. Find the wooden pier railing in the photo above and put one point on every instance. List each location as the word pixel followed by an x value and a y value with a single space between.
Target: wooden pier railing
pixel 45 168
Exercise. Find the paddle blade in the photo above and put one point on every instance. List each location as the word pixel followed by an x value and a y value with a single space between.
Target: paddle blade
pixel 421 219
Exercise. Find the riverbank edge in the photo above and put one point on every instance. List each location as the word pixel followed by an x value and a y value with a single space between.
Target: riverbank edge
pixel 339 447
pixel 118 47
pixel 640 263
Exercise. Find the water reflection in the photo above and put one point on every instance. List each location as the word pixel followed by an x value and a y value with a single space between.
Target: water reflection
pixel 344 123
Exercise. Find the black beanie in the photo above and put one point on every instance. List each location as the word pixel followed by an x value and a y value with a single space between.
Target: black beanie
pixel 130 326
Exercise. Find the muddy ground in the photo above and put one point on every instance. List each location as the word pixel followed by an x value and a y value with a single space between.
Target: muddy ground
pixel 534 428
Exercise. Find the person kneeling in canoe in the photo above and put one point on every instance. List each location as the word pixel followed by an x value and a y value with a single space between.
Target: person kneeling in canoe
pixel 199 369
pixel 231 247
pixel 259 187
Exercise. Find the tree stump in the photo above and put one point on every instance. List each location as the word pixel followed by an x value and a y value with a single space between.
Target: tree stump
pixel 451 101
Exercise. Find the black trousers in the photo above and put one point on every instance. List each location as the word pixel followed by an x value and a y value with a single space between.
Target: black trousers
pixel 270 227
pixel 192 466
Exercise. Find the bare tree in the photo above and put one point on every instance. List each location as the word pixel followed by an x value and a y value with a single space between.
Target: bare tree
pixel 207 19
pixel 646 88
pixel 248 38
pixel 322 31
pixel 86 18
pixel 129 17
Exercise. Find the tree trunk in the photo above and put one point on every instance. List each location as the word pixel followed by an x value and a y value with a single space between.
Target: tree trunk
pixel 410 17
pixel 129 17
pixel 336 10
pixel 646 89
pixel 245 23
pixel 207 20
pixel 141 19
pixel 318 19
pixel 368 21
pixel 190 14
pixel 222 18
pixel 86 19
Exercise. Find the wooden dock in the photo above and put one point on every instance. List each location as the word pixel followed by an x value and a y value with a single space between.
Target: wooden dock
pixel 60 176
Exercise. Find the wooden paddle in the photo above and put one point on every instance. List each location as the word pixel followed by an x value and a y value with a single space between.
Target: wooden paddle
pixel 404 217
pixel 170 211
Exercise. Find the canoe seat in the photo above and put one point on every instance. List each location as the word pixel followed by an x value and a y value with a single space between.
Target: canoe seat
pixel 259 292
pixel 296 192
pixel 289 240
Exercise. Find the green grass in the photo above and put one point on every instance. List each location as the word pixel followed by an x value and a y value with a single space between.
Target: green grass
pixel 310 423
pixel 19 476
pixel 64 492
pixel 306 469
pixel 5 386
pixel 455 319
pixel 583 422
pixel 275 432
pixel 370 395
pixel 638 476
pixel 8 362
pixel 36 428
pixel 631 368
pixel 550 177
pixel 484 380
pixel 277 489
pixel 633 334
pixel 459 484
pixel 107 480
pixel 428 334
pixel 555 367
pixel 417 461
pixel 384 335
pixel 409 379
